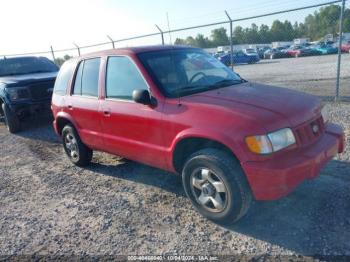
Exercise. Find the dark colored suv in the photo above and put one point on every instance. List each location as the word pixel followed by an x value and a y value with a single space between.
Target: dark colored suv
pixel 26 85
pixel 182 110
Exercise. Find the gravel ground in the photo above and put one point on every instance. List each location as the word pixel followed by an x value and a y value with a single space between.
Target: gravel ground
pixel 49 206
pixel 314 74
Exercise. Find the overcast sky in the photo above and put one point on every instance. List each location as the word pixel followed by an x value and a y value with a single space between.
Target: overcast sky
pixel 34 25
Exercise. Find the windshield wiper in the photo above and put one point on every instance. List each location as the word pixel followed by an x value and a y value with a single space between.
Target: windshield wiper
pixel 189 88
pixel 228 82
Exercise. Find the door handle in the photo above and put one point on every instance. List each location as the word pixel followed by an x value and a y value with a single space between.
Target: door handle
pixel 106 112
pixel 70 107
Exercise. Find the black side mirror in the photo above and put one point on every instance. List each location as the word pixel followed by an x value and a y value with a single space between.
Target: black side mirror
pixel 142 96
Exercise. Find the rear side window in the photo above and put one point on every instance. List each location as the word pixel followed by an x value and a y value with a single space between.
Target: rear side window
pixel 86 79
pixel 63 78
pixel 122 78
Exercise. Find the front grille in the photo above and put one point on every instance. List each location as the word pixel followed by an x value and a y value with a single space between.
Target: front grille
pixel 41 90
pixel 309 132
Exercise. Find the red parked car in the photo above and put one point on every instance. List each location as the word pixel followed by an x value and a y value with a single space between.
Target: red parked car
pixel 345 47
pixel 181 110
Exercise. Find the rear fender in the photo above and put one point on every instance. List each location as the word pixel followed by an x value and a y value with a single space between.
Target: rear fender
pixel 64 115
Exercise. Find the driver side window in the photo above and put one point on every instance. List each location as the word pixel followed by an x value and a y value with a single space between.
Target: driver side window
pixel 122 78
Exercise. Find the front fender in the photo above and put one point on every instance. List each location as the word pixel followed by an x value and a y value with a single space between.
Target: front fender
pixel 214 135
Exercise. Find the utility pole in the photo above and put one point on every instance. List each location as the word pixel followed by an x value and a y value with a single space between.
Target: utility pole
pixel 112 41
pixel 161 33
pixel 339 49
pixel 78 48
pixel 231 38
pixel 53 54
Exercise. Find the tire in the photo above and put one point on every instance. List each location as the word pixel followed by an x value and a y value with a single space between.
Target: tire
pixel 11 120
pixel 210 166
pixel 77 152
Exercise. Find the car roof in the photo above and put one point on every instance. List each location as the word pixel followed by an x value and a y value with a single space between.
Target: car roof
pixel 135 50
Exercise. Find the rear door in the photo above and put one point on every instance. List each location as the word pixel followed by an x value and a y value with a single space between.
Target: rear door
pixel 83 103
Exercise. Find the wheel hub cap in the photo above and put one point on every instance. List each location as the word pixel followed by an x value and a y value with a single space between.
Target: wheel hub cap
pixel 208 189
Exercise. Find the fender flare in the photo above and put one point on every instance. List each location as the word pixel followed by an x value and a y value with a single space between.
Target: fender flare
pixel 66 116
pixel 209 134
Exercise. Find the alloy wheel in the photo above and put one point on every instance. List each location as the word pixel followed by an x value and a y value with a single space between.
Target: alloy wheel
pixel 71 145
pixel 209 190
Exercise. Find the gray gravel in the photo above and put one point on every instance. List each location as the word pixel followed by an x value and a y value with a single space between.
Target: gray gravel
pixel 49 206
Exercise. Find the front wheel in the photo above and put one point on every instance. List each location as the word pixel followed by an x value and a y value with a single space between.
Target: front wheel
pixel 11 120
pixel 78 153
pixel 216 186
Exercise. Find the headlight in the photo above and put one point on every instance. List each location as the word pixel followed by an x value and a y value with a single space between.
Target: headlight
pixel 271 142
pixel 325 114
pixel 17 93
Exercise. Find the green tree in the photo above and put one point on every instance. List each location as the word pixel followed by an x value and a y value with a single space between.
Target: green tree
pixel 239 35
pixel 59 60
pixel 202 42
pixel 179 41
pixel 315 26
pixel 264 34
pixel 219 37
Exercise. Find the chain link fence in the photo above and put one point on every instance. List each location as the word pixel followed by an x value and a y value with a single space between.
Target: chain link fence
pixel 308 55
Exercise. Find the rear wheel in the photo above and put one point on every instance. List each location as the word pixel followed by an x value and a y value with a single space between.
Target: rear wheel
pixel 78 153
pixel 216 186
pixel 11 120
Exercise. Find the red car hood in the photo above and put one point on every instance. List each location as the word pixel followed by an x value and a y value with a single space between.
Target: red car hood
pixel 293 106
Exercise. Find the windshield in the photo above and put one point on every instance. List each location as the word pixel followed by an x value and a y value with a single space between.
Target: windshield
pixel 26 65
pixel 181 72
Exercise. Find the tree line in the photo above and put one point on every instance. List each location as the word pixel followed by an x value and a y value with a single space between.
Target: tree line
pixel 315 26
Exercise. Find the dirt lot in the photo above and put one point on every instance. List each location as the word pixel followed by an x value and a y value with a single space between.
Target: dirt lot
pixel 315 74
pixel 49 206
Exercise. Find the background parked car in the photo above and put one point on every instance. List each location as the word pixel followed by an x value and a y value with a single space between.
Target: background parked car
pixel 345 47
pixel 250 52
pixel 26 85
pixel 301 50
pixel 273 53
pixel 261 51
pixel 239 58
pixel 325 49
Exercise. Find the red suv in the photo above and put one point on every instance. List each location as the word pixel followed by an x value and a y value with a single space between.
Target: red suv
pixel 181 110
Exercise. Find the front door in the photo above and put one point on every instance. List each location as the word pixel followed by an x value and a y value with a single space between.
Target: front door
pixel 131 130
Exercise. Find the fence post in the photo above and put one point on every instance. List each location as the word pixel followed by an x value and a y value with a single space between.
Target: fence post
pixel 231 38
pixel 53 54
pixel 78 48
pixel 112 41
pixel 339 49
pixel 161 33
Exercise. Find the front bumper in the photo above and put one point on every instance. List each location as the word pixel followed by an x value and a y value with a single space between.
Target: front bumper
pixel 277 177
pixel 27 109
